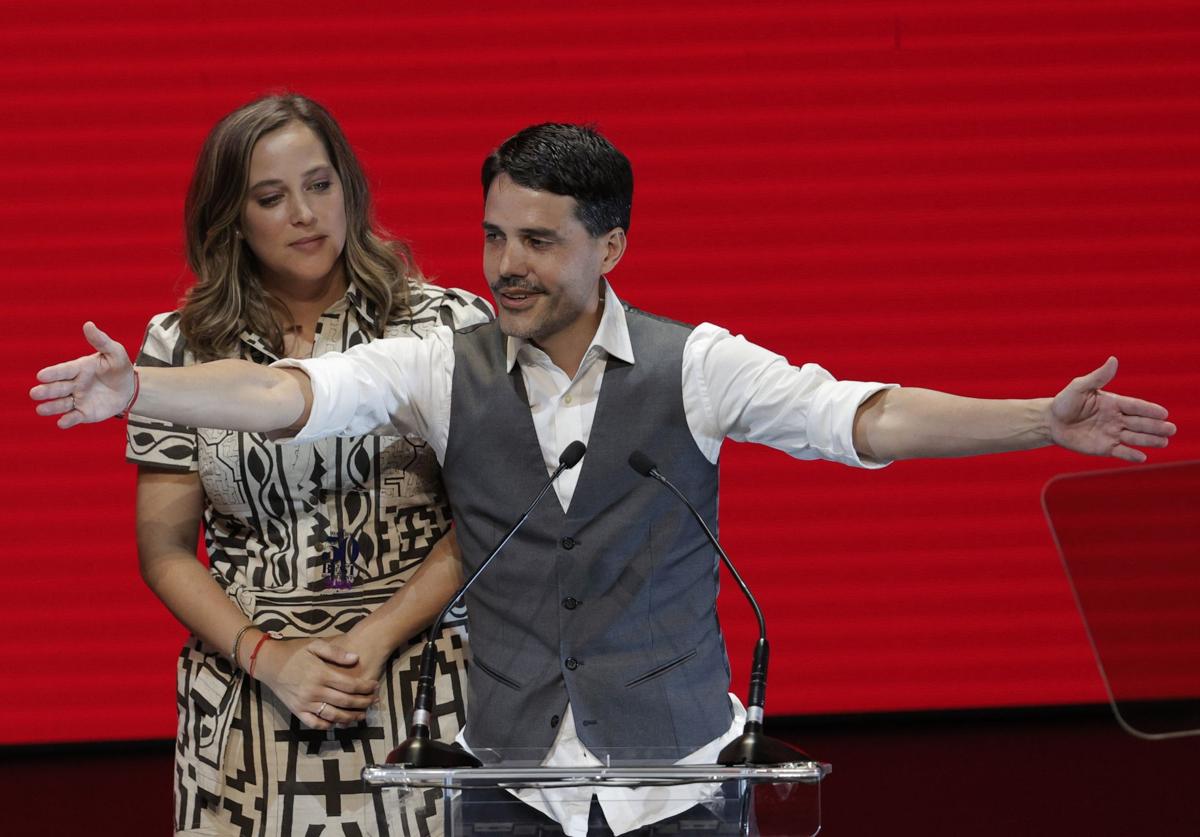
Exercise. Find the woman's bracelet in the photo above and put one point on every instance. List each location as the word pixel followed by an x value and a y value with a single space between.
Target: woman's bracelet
pixel 258 647
pixel 237 642
pixel 137 387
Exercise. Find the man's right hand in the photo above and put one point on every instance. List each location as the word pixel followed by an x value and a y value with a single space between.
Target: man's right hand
pixel 90 388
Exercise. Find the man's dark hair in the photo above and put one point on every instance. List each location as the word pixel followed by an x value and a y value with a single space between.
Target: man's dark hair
pixel 572 160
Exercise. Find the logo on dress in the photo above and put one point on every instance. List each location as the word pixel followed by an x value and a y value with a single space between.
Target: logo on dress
pixel 339 568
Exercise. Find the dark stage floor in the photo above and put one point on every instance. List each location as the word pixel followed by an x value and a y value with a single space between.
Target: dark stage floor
pixel 1066 771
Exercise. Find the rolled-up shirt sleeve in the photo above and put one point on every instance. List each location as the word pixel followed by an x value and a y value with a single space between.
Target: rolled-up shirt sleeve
pixel 735 389
pixel 394 386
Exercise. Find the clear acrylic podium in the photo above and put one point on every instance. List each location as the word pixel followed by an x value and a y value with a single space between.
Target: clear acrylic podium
pixel 1130 544
pixel 743 800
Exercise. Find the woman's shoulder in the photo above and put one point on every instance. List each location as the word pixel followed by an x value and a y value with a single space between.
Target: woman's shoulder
pixel 167 321
pixel 452 307
pixel 164 343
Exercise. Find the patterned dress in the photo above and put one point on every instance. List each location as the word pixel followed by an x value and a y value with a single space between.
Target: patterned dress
pixel 306 540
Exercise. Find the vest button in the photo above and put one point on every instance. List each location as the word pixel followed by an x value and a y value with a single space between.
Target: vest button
pixel 570 602
pixel 572 663
pixel 568 542
pixel 553 721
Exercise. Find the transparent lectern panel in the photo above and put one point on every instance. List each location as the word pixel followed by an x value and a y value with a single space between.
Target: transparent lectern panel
pixel 512 793
pixel 1130 543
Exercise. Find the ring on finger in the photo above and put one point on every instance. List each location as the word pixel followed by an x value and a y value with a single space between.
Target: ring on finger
pixel 322 709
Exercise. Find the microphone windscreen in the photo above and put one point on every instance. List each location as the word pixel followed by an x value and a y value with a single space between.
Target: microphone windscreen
pixel 572 454
pixel 641 463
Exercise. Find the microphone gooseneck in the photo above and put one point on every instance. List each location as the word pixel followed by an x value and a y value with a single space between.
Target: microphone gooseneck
pixel 419 749
pixel 751 747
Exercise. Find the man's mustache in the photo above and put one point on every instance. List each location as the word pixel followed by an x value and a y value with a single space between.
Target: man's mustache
pixel 514 283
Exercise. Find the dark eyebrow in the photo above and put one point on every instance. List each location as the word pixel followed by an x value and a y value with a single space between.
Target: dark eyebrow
pixel 528 232
pixel 276 182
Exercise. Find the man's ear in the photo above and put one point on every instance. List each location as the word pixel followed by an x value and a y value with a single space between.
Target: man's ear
pixel 614 247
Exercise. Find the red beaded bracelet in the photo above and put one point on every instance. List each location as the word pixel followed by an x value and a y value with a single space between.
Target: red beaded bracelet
pixel 137 387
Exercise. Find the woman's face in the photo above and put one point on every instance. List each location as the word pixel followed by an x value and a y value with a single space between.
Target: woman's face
pixel 294 215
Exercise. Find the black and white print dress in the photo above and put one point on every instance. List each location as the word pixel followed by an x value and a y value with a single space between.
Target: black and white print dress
pixel 306 539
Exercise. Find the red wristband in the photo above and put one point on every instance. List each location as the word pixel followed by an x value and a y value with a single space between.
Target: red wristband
pixel 137 387
pixel 258 646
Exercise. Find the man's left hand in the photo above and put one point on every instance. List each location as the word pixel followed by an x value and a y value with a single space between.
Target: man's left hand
pixel 1086 419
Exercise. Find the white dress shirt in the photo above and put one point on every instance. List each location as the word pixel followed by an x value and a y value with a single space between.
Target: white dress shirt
pixel 731 389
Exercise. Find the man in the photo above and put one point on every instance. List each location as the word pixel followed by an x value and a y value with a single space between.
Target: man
pixel 596 633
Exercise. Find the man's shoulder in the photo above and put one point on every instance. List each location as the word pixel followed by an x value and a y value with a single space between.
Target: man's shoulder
pixel 655 336
pixel 482 339
pixel 653 319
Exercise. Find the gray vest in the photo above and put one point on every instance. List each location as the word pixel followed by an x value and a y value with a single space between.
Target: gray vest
pixel 611 605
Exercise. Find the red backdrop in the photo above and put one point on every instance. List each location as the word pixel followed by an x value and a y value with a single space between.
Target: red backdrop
pixel 982 197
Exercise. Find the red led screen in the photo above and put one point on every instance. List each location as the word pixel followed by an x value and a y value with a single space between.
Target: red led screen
pixel 983 197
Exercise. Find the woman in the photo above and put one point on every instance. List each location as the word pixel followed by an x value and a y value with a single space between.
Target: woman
pixel 305 541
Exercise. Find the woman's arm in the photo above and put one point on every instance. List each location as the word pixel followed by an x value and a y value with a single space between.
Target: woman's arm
pixel 168 519
pixel 168 522
pixel 409 610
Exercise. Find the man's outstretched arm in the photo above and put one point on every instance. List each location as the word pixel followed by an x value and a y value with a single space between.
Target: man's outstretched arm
pixel 227 394
pixel 907 423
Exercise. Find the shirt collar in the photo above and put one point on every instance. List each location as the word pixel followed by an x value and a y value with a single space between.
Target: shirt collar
pixel 612 335
pixel 367 312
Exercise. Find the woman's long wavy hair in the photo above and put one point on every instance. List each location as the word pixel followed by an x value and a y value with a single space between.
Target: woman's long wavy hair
pixel 229 296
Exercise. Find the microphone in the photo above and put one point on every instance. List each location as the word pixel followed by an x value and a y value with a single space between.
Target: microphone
pixel 419 750
pixel 751 747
